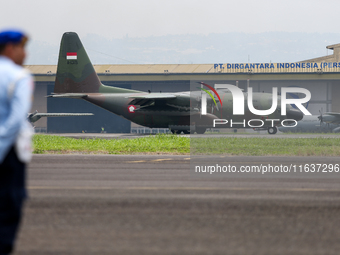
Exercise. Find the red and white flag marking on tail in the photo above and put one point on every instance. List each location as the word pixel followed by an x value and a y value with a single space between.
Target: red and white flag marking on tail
pixel 71 55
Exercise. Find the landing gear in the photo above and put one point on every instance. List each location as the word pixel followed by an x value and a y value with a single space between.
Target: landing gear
pixel 200 130
pixel 176 131
pixel 272 130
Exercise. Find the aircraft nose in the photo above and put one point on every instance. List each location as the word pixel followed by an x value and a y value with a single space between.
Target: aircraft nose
pixel 294 114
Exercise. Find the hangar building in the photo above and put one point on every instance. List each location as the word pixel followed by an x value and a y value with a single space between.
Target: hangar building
pixel 321 76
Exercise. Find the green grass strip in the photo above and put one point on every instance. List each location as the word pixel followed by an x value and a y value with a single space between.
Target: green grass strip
pixel 161 143
pixel 266 146
pixel 174 144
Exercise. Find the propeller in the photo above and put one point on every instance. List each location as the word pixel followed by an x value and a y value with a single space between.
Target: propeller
pixel 320 117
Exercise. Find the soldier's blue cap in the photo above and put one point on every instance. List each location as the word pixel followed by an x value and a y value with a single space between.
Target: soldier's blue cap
pixel 12 36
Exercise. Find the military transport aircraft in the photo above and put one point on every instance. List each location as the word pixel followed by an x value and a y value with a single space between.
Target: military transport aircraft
pixel 35 116
pixel 181 111
pixel 311 124
pixel 323 123
pixel 329 118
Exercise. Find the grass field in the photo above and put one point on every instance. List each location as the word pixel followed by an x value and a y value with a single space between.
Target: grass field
pixel 261 146
pixel 169 144
pixel 175 144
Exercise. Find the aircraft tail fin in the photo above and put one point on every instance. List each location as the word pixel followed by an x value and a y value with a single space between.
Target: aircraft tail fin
pixel 75 72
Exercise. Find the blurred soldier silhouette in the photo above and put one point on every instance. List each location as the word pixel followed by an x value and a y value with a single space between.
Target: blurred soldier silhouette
pixel 16 89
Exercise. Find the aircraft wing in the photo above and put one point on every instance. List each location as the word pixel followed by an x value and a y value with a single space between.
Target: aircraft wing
pixel 62 114
pixel 69 95
pixel 336 114
pixel 33 117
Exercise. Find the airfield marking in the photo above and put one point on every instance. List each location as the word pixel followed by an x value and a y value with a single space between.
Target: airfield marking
pixel 227 161
pixel 136 161
pixel 178 188
pixel 161 159
pixel 155 160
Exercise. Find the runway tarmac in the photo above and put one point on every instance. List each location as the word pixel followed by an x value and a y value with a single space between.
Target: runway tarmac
pixel 152 204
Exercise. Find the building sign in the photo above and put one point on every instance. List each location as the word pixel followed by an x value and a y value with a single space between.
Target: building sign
pixel 278 67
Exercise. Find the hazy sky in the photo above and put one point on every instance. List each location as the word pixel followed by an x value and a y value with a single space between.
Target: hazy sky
pixel 47 20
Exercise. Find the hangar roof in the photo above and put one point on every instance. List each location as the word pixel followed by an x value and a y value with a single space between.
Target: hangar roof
pixel 132 69
pixel 333 46
pixel 324 64
pixel 335 57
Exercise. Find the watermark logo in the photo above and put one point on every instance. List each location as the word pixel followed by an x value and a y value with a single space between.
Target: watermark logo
pixel 238 99
pixel 204 98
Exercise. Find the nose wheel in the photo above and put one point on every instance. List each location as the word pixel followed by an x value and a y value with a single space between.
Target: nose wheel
pixel 272 130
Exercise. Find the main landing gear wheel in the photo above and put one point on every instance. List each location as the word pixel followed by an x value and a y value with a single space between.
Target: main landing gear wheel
pixel 200 130
pixel 175 131
pixel 272 130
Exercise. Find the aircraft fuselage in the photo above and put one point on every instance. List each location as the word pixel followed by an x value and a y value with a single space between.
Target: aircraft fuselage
pixel 184 110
